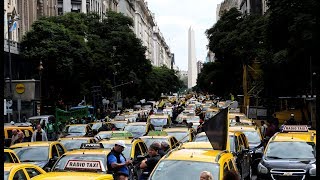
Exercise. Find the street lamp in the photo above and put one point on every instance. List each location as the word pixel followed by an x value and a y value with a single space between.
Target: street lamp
pixel 40 68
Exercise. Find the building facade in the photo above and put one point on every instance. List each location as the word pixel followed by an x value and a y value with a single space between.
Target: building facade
pixel 192 69
pixel 199 66
pixel 210 57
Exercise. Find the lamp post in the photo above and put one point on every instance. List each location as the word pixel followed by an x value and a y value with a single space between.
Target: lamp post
pixel 40 68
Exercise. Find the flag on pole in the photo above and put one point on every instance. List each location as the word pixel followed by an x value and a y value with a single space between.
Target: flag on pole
pixel 13 26
pixel 216 129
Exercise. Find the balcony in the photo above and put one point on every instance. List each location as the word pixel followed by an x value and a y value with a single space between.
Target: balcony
pixel 14 46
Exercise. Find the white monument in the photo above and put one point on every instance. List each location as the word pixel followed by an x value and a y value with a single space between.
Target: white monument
pixel 192 65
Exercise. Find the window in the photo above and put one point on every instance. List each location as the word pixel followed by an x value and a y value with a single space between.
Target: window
pixel 54 152
pixel 7 158
pixel 60 149
pixel 32 172
pixel 143 147
pixel 19 175
pixel 137 150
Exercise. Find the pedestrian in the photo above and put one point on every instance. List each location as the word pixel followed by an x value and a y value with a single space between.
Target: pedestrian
pixel 51 131
pixel 263 128
pixel 165 147
pixel 231 175
pixel 291 121
pixel 39 134
pixel 150 162
pixel 161 152
pixel 237 120
pixel 271 130
pixel 117 163
pixel 14 136
pixel 20 138
pixel 206 175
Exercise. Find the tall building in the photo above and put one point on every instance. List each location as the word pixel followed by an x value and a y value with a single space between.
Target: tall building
pixel 192 69
pixel 199 66
pixel 210 57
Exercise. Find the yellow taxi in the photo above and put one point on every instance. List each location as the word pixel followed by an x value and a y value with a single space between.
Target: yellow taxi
pixel 116 125
pixel 72 143
pixel 41 153
pixel 150 138
pixel 159 120
pixel 10 156
pixel 243 119
pixel 134 147
pixel 189 163
pixel 21 171
pixel 196 145
pixel 73 175
pixel 77 130
pixel 138 129
pixel 238 145
pixel 289 154
pixel 91 158
pixel 182 134
pixel 212 111
pixel 96 125
pixel 23 127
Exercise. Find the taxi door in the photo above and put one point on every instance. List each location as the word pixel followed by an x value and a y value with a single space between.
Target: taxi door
pixel 245 156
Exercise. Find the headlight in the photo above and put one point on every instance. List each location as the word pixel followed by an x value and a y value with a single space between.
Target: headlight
pixel 262 169
pixel 313 170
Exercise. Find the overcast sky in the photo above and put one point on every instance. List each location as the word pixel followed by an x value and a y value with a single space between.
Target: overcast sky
pixel 174 17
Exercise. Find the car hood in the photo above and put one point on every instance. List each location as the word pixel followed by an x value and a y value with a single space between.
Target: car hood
pixel 287 163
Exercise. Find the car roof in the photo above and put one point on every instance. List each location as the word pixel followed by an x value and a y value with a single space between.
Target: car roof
pixel 88 151
pixel 37 143
pixel 243 127
pixel 194 155
pixel 8 150
pixel 75 138
pixel 197 145
pixel 137 123
pixel 113 141
pixel 154 137
pixel 9 166
pixel 177 129
pixel 294 137
pixel 77 125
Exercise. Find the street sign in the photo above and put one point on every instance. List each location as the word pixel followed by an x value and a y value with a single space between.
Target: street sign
pixel 20 88
pixel 9 103
pixel 5 107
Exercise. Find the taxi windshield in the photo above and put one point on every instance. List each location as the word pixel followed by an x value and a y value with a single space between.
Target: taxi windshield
pixel 75 129
pixel 31 154
pixel 167 169
pixel 201 138
pixel 136 131
pixel 62 162
pixel 120 125
pixel 253 136
pixel 149 141
pixel 104 135
pixel 119 118
pixel 96 125
pixel 298 150
pixel 158 121
pixel 180 136
pixel 209 115
pixel 6 175
pixel 71 144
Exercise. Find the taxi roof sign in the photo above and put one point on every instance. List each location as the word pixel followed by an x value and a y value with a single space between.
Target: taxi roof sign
pixel 91 146
pixel 157 133
pixel 295 128
pixel 83 165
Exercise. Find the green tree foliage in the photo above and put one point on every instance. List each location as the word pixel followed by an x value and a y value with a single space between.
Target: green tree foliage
pixel 79 51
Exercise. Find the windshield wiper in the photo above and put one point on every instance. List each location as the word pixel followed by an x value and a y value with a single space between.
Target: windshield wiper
pixel 274 157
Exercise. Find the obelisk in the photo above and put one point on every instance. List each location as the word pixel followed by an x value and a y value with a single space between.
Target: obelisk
pixel 192 69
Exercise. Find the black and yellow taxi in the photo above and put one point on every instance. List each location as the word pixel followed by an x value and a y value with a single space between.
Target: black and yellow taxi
pixel 160 136
pixel 10 156
pixel 138 129
pixel 72 143
pixel 182 134
pixel 41 153
pixel 238 145
pixel 189 163
pixel 134 147
pixel 21 171
pixel 255 139
pixel 77 130
pixel 92 157
pixel 26 128
pixel 159 120
pixel 73 175
pixel 290 154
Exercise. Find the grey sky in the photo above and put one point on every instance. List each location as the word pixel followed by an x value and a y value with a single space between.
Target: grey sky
pixel 174 17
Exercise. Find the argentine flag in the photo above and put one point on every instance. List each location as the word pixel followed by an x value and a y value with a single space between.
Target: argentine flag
pixel 13 27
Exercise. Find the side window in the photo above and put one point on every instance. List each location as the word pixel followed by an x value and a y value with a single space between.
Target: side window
pixel 173 144
pixel 9 133
pixel 14 158
pixel 60 150
pixel 19 175
pixel 7 158
pixel 137 150
pixel 241 144
pixel 54 152
pixel 231 167
pixel 32 172
pixel 236 138
pixel 143 147
pixel 225 168
pixel 245 141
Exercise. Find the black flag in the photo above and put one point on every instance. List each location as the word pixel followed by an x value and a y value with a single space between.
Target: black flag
pixel 216 129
